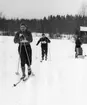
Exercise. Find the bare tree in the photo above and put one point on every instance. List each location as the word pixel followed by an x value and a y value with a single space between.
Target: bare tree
pixel 2 15
pixel 83 9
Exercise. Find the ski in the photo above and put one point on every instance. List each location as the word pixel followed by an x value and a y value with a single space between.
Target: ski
pixel 23 79
pixel 43 60
pixel 81 56
pixel 14 85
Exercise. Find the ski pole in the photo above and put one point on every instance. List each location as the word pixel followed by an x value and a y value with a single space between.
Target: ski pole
pixel 49 54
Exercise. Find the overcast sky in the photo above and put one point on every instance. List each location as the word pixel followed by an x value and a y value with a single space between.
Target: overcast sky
pixel 38 8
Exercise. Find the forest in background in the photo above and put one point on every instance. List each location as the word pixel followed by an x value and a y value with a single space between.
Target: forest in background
pixel 53 24
pixel 65 24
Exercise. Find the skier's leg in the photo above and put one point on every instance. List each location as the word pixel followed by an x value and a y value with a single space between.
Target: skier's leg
pixel 77 52
pixel 22 56
pixel 29 58
pixel 75 48
pixel 42 49
pixel 46 52
pixel 23 71
pixel 80 51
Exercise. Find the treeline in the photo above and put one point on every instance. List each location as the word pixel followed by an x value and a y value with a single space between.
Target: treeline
pixel 52 24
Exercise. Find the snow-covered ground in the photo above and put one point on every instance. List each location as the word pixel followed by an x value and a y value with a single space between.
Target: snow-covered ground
pixel 62 80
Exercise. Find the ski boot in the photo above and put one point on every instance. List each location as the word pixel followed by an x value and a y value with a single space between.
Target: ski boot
pixel 23 77
pixel 46 58
pixel 23 72
pixel 30 72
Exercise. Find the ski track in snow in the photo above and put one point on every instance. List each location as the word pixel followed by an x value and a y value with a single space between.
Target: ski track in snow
pixel 62 80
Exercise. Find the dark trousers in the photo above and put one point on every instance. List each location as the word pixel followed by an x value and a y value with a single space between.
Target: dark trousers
pixel 25 53
pixel 78 51
pixel 44 48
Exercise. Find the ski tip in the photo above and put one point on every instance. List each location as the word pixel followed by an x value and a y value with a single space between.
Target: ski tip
pixel 14 85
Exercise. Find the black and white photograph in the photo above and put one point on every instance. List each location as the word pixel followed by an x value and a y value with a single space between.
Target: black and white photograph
pixel 43 52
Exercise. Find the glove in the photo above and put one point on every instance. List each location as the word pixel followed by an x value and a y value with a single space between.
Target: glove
pixel 21 37
pixel 24 41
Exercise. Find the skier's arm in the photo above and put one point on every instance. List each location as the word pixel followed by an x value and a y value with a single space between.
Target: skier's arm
pixel 16 38
pixel 29 37
pixel 38 41
pixel 80 42
pixel 48 41
pixel 75 41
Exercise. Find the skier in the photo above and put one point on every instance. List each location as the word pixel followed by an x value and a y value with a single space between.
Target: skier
pixel 44 46
pixel 78 48
pixel 24 37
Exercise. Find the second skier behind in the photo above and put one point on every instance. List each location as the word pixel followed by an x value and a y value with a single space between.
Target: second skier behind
pixel 44 46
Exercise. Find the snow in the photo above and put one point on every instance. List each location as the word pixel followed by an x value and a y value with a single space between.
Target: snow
pixel 62 80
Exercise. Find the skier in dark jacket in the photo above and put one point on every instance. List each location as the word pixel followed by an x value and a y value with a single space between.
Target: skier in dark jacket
pixel 44 46
pixel 24 38
pixel 78 48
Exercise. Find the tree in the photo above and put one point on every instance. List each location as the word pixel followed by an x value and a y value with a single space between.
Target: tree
pixel 83 9
pixel 83 12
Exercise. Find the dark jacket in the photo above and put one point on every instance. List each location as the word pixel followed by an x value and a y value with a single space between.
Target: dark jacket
pixel 26 34
pixel 43 40
pixel 78 43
